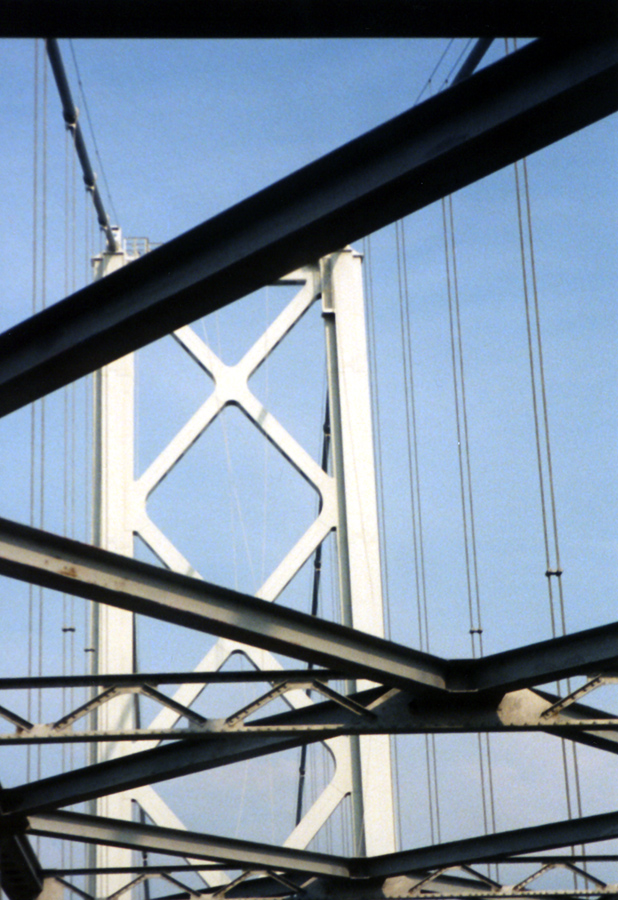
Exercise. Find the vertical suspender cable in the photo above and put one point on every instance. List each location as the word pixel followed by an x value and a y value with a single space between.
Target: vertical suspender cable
pixel 466 493
pixel 35 201
pixel 543 445
pixel 42 402
pixel 416 509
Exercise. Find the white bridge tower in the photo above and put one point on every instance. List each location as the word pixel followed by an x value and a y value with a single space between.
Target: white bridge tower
pixel 348 506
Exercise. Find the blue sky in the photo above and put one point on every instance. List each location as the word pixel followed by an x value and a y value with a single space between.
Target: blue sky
pixel 186 129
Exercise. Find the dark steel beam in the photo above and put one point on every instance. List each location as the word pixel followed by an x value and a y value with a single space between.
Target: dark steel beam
pixel 492 847
pixel 138 769
pixel 582 653
pixel 302 18
pixel 520 104
pixel 20 871
pixel 188 844
pixel 84 571
pixel 378 711
pixel 128 679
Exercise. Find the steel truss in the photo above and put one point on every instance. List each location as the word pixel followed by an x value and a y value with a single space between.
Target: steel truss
pixel 536 96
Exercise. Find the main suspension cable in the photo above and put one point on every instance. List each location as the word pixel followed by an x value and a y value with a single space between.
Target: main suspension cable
pixel 70 114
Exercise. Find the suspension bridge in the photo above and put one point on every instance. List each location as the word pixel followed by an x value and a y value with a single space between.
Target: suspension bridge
pixel 307 553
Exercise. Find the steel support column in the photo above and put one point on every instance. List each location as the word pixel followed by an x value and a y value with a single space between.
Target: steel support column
pixel 113 531
pixel 360 571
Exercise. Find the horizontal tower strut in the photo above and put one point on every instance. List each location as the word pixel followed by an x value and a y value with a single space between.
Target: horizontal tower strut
pixel 522 103
pixel 304 18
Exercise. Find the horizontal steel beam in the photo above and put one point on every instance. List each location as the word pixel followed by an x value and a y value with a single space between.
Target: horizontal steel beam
pixel 302 18
pixel 191 845
pixel 128 679
pixel 67 566
pixel 377 711
pixel 492 847
pixel 582 653
pixel 516 106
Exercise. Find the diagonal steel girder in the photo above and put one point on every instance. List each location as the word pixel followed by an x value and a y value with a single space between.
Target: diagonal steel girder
pixel 582 653
pixel 249 855
pixel 65 565
pixel 304 18
pixel 493 847
pixel 510 109
pixel 191 845
pixel 38 557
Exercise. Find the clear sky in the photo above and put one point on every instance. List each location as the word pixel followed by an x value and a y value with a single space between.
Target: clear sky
pixel 184 130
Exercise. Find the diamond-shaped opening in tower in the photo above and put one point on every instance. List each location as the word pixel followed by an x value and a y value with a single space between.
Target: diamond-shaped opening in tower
pixel 169 388
pixel 234 329
pixel 233 505
pixel 291 382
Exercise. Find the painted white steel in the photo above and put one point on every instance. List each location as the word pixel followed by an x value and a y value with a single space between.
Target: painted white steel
pixel 359 549
pixel 348 504
pixel 113 530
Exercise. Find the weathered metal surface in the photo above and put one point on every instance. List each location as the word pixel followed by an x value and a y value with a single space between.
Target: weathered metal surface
pixel 65 565
pixel 235 853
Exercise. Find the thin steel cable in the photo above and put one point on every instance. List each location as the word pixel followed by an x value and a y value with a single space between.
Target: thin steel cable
pixel 466 493
pixel 35 204
pixel 450 275
pixel 414 442
pixel 435 69
pixel 535 405
pixel 548 456
pixel 537 428
pixel 461 420
pixel 415 498
pixel 478 628
pixel 42 402
pixel 407 387
pixel 455 65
